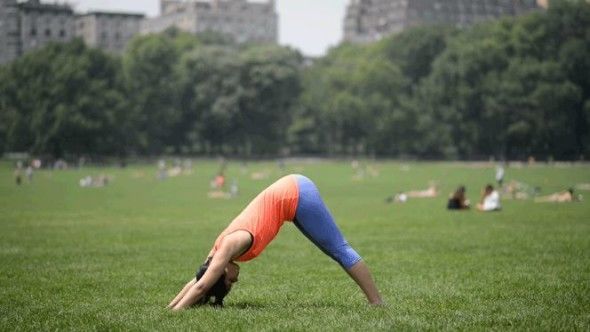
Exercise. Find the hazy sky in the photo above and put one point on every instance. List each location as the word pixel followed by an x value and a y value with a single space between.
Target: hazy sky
pixel 312 26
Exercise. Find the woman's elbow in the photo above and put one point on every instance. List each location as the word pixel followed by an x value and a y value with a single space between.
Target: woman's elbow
pixel 199 287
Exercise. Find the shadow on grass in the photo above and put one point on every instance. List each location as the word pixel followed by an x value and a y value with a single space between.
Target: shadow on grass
pixel 248 305
pixel 288 304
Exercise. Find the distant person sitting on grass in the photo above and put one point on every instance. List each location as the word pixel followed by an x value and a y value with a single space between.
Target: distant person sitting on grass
pixel 560 197
pixel 292 198
pixel 490 200
pixel 219 181
pixel 217 185
pixel 458 201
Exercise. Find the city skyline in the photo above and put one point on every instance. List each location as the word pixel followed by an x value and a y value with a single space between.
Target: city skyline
pixel 310 26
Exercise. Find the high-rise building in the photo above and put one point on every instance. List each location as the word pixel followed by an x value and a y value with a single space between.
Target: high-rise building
pixel 9 31
pixel 41 23
pixel 370 20
pixel 31 24
pixel 108 30
pixel 245 21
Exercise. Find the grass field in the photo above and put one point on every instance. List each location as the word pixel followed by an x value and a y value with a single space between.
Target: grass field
pixel 111 258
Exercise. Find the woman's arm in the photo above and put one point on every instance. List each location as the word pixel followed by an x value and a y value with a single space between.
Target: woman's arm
pixel 182 292
pixel 196 291
pixel 232 245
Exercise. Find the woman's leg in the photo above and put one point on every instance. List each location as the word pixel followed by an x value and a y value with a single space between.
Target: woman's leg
pixel 359 272
pixel 315 221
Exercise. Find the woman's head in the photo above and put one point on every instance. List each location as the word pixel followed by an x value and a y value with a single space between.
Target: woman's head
pixel 459 193
pixel 232 271
pixel 222 286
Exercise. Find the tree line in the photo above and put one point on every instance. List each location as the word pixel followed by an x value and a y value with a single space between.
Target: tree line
pixel 511 88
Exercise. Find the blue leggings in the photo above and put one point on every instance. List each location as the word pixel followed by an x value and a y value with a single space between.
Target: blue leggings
pixel 314 220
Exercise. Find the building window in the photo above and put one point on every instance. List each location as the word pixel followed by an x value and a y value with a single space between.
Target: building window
pixel 62 33
pixel 33 31
pixel 48 32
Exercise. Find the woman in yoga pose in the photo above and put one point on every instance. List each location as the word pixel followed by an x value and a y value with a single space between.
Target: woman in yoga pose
pixel 292 198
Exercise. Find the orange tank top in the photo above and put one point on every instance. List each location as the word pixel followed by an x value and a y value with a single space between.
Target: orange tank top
pixel 265 215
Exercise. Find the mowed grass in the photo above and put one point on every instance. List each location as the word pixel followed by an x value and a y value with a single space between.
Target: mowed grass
pixel 111 258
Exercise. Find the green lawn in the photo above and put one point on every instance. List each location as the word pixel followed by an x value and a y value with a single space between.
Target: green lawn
pixel 111 258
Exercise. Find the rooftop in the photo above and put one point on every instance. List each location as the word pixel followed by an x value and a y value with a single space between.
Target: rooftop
pixel 33 5
pixel 109 13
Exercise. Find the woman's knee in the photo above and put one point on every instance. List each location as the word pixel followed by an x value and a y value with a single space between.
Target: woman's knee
pixel 347 257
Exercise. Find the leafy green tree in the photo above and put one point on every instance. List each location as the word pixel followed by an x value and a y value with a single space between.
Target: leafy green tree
pixel 152 84
pixel 209 86
pixel 63 100
pixel 239 100
pixel 531 103
pixel 505 87
pixel 350 91
pixel 414 50
pixel 508 88
pixel 270 87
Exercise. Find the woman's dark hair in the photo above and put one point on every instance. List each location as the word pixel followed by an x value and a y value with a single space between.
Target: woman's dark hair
pixel 459 193
pixel 457 200
pixel 218 291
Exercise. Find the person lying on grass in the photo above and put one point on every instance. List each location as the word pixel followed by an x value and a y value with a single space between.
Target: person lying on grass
pixel 292 198
pixel 560 197
pixel 430 192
